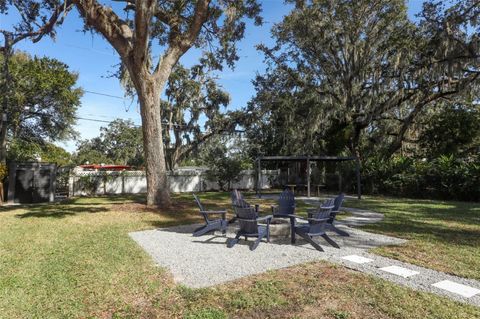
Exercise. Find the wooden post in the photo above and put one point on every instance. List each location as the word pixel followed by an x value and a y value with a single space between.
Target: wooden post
pixel 359 189
pixel 11 182
pixel 339 179
pixel 53 181
pixel 308 176
pixel 259 178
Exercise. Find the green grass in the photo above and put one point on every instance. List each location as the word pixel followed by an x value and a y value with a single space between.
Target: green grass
pixel 75 260
pixel 442 235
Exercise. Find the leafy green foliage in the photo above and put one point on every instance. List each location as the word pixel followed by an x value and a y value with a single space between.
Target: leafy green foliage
pixel 355 75
pixel 42 99
pixel 119 143
pixel 445 177
pixel 193 94
pixel 40 106
pixel 24 151
pixel 223 168
pixel 453 130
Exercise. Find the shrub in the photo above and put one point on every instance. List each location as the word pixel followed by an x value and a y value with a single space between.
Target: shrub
pixel 223 168
pixel 445 177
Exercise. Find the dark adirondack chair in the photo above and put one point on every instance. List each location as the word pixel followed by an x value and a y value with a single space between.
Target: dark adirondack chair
pixel 316 225
pixel 211 224
pixel 337 204
pixel 249 227
pixel 286 204
pixel 239 202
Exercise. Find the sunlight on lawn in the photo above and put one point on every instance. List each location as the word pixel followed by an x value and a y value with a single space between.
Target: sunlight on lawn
pixel 75 259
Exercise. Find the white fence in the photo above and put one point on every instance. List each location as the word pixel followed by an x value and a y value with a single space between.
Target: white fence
pixel 135 182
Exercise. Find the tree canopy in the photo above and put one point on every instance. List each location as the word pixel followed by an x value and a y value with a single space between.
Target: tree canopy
pixel 194 112
pixel 41 103
pixel 355 75
pixel 119 143
pixel 26 151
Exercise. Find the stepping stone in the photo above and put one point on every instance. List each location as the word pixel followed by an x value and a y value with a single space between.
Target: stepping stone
pixel 462 290
pixel 357 259
pixel 400 271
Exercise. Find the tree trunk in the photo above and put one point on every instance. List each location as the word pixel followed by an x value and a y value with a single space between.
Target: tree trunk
pixel 7 53
pixel 355 142
pixel 158 192
pixel 3 139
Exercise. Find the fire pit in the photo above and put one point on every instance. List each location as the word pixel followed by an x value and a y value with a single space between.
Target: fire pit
pixel 280 228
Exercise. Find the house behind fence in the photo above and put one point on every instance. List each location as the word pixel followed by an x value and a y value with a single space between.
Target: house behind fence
pixel 190 179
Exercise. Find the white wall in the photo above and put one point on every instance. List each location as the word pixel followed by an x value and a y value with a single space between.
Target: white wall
pixel 182 180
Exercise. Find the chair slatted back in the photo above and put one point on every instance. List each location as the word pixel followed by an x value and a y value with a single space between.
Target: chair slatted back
pixel 338 201
pixel 323 211
pixel 238 200
pixel 286 203
pixel 201 207
pixel 247 219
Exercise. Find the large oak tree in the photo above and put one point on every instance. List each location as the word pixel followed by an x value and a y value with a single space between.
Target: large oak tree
pixel 166 28
pixel 342 69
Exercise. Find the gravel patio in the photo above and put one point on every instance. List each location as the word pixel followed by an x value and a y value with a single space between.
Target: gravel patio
pixel 206 261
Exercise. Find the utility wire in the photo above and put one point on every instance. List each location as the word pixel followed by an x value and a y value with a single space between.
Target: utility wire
pixel 175 126
pixel 104 94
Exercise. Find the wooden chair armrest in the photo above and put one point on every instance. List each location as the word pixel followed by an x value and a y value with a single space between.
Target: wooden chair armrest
pixel 318 219
pixel 296 216
pixel 213 211
pixel 268 217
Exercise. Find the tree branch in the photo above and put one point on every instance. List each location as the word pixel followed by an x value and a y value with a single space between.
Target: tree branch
pixel 106 22
pixel 180 44
pixel 143 15
pixel 38 34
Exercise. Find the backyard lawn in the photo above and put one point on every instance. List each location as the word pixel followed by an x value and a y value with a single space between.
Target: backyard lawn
pixel 75 259
pixel 444 236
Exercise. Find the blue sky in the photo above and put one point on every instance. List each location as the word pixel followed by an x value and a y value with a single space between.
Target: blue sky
pixel 94 60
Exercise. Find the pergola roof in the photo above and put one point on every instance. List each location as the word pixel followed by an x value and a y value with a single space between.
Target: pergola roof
pixel 306 157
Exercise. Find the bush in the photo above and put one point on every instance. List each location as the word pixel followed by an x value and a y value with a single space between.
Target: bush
pixel 445 177
pixel 223 168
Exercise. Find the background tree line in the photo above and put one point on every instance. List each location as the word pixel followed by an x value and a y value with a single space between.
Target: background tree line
pixel 360 78
pixel 343 78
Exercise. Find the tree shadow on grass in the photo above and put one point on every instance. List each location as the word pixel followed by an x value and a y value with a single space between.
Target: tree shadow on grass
pixel 59 211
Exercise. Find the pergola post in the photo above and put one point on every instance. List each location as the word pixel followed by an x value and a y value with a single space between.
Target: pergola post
pixel 359 186
pixel 259 178
pixel 308 176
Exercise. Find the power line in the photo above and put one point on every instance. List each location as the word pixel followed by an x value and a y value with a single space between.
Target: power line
pixel 92 120
pixel 175 126
pixel 104 94
pixel 89 49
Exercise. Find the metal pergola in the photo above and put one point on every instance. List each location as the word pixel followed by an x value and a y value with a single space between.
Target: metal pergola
pixel 307 159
